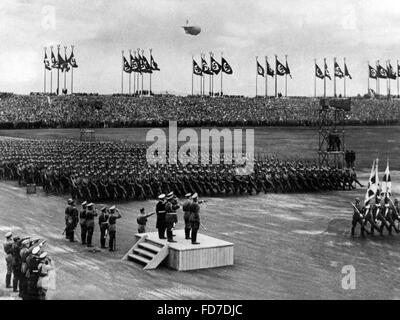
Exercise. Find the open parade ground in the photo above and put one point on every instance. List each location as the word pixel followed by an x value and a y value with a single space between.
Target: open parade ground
pixel 290 246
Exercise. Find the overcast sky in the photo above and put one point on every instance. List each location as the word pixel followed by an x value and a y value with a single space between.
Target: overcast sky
pixel 358 30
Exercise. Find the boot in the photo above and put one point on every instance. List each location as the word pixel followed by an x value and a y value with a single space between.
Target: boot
pixel 8 281
pixel 187 234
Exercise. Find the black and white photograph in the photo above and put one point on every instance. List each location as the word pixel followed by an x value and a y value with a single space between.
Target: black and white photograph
pixel 196 150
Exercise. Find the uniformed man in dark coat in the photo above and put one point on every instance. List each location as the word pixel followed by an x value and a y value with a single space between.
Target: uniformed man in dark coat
pixel 71 220
pixel 194 218
pixel 82 221
pixel 16 263
pixel 103 223
pixel 112 219
pixel 171 217
pixel 7 245
pixel 358 217
pixel 160 211
pixel 186 214
pixel 90 214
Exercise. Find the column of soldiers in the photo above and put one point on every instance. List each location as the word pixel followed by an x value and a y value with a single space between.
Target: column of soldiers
pixel 28 267
pixel 120 171
pixel 86 218
pixel 378 215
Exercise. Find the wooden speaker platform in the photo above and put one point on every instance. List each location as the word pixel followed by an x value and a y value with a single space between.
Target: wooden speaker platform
pixel 183 255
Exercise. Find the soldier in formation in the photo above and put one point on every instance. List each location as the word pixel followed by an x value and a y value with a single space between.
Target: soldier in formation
pixel 30 278
pixel 120 171
pixel 379 213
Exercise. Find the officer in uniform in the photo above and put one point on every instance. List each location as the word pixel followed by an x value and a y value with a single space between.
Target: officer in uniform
pixel 170 217
pixel 44 267
pixel 112 219
pixel 90 214
pixel 160 211
pixel 32 274
pixel 194 218
pixel 358 217
pixel 71 220
pixel 142 220
pixel 82 221
pixel 103 222
pixel 186 214
pixel 16 263
pixel 8 251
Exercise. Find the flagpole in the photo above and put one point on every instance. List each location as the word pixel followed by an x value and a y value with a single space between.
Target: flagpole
pixel 44 72
pixel 344 78
pixel 397 78
pixel 134 75
pixel 315 78
pixel 334 77
pixel 72 73
pixel 266 76
pixel 324 77
pixel 286 77
pixel 221 75
pixel 58 70
pixel 51 73
pixel 122 72
pixel 276 76
pixel 130 73
pixel 65 71
pixel 387 79
pixel 368 79
pixel 256 74
pixel 211 77
pixel 139 74
pixel 150 73
pixel 192 75
pixel 377 78
pixel 142 74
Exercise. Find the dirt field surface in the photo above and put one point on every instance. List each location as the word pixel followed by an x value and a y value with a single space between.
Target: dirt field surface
pixel 286 245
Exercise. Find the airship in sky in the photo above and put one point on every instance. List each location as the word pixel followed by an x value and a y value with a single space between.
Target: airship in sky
pixel 192 30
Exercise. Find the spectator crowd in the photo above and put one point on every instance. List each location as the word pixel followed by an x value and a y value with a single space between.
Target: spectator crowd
pixel 74 111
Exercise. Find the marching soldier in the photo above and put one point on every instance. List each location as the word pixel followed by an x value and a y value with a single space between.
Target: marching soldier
pixel 160 211
pixel 194 218
pixel 389 213
pixel 8 251
pixel 142 220
pixel 186 214
pixel 380 215
pixel 103 222
pixel 90 214
pixel 82 221
pixel 358 217
pixel 114 215
pixel 370 218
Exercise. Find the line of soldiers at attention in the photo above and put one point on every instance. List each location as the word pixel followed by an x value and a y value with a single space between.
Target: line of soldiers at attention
pixel 85 217
pixel 379 214
pixel 28 266
pixel 167 218
pixel 120 171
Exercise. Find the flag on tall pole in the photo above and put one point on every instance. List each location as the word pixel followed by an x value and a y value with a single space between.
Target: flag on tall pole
pixel 326 75
pixel 196 70
pixel 317 74
pixel 346 74
pixel 259 71
pixel 287 72
pixel 58 69
pixel 372 188
pixel 72 62
pixel 225 68
pixel 122 71
pixel 387 182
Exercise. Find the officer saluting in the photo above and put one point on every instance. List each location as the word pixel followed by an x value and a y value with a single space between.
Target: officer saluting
pixel 160 210
pixel 90 214
pixel 142 220
pixel 194 218
pixel 103 222
pixel 8 251
pixel 82 221
pixel 186 214
pixel 112 219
